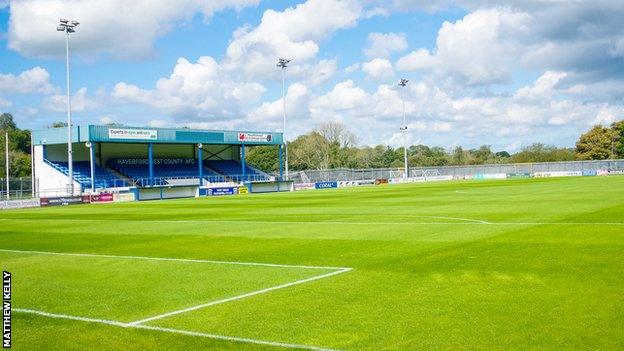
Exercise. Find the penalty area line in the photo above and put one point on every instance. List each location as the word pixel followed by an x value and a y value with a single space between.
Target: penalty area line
pixel 238 297
pixel 174 331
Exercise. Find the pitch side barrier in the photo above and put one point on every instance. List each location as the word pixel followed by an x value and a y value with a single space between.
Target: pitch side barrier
pixel 383 181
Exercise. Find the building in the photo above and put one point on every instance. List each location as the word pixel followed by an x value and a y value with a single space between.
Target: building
pixel 149 162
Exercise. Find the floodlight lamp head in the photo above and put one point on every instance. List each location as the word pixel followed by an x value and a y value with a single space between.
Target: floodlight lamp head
pixel 63 20
pixel 88 144
pixel 75 23
pixel 60 28
pixel 283 62
pixel 403 82
pixel 71 29
pixel 200 145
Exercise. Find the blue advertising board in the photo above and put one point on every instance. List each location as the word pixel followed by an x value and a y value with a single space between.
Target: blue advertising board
pixel 230 190
pixel 326 185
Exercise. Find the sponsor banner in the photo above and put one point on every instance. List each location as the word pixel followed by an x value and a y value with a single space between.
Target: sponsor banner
pixel 243 190
pixel 9 204
pixel 494 176
pixel 602 172
pixel 64 201
pixel 381 181
pixel 123 197
pixel 141 134
pixel 255 137
pixel 557 174
pixel 438 178
pixel 102 198
pixel 230 190
pixel 518 175
pixel 305 186
pixel 350 183
pixel 157 161
pixel 616 172
pixel 326 185
pixel 366 182
pixel 589 173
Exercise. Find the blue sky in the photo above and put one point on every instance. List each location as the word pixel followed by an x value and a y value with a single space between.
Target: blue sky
pixel 505 73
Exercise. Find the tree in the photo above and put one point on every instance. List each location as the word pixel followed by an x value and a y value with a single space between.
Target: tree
pixel 6 122
pixel 596 144
pixel 19 147
pixel 458 156
pixel 58 124
pixel 265 158
pixel 618 138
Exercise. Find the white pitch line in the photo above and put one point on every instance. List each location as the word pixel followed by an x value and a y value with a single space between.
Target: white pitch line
pixel 457 219
pixel 173 259
pixel 238 297
pixel 459 222
pixel 175 331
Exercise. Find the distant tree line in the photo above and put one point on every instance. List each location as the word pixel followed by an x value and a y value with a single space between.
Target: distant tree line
pixel 332 145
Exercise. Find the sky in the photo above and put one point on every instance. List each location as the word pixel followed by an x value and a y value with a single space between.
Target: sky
pixel 504 73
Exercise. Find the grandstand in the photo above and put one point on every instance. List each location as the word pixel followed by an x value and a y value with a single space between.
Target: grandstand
pixel 129 159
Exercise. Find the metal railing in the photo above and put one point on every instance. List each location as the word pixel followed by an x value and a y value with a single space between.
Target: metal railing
pixel 164 181
pixel 344 174
pixel 19 188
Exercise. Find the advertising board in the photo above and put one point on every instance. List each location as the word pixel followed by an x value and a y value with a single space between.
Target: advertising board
pixel 326 185
pixel 229 190
pixel 9 204
pixel 305 186
pixel 123 197
pixel 140 134
pixel 102 198
pixel 64 200
pixel 255 137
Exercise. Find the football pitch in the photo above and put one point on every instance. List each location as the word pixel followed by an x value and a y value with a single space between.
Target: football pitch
pixel 513 264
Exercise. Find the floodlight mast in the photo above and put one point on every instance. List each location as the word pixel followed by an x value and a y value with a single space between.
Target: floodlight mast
pixel 68 27
pixel 403 83
pixel 283 63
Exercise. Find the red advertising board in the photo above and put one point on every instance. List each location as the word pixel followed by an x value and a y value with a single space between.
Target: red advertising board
pixel 102 198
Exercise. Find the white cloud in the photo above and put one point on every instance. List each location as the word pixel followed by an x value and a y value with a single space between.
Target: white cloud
pixel 385 44
pixel 4 102
pixel 378 69
pixel 420 59
pixel 352 68
pixel 317 73
pixel 34 80
pixel 80 102
pixel 194 90
pixel 297 107
pixel 478 49
pixel 123 29
pixel 344 96
pixel 294 33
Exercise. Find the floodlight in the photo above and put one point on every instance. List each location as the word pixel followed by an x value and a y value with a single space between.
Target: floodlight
pixel 62 20
pixel 200 145
pixel 75 23
pixel 60 28
pixel 88 144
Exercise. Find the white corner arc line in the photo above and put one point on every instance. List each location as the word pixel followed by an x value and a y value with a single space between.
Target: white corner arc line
pixel 173 259
pixel 238 297
pixel 176 331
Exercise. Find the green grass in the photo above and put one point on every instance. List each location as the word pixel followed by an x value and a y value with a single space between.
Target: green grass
pixel 547 272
